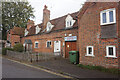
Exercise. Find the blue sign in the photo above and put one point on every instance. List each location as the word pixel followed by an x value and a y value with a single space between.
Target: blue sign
pixel 72 38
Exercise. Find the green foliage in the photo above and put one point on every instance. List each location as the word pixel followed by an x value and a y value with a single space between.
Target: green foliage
pixel 18 47
pixel 15 14
pixel 100 68
pixel 4 50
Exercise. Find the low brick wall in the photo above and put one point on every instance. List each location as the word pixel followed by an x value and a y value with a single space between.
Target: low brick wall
pixel 18 55
pixel 32 57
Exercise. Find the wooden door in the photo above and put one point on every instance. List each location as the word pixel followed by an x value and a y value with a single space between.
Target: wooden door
pixel 69 46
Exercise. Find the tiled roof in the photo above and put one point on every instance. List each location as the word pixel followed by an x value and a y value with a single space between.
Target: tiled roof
pixel 31 30
pixel 59 23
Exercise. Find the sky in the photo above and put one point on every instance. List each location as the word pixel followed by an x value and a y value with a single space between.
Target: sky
pixel 57 8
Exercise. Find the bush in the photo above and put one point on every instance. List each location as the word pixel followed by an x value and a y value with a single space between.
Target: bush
pixel 4 50
pixel 18 47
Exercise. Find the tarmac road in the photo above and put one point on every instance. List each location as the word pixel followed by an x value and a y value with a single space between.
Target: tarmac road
pixel 15 70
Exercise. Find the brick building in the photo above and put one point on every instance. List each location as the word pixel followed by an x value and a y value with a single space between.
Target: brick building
pixel 57 36
pixel 14 35
pixel 99 34
pixel 94 31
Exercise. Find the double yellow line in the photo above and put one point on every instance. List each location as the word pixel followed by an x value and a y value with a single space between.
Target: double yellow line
pixel 58 74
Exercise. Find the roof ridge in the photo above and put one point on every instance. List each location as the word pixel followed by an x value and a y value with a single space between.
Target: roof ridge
pixel 64 15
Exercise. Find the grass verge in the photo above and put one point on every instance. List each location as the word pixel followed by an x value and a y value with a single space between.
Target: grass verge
pixel 100 68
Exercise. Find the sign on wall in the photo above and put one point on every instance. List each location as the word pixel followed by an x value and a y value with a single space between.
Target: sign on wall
pixel 72 38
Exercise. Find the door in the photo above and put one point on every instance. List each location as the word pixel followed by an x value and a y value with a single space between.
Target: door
pixel 69 46
pixel 57 47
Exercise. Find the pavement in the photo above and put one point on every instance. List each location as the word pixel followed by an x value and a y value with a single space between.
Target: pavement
pixel 64 66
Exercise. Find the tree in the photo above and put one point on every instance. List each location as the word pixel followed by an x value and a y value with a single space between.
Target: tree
pixel 15 14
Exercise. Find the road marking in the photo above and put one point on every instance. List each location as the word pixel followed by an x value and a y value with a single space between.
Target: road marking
pixel 58 74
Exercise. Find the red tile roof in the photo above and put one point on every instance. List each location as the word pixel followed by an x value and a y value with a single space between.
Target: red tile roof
pixel 59 23
pixel 31 30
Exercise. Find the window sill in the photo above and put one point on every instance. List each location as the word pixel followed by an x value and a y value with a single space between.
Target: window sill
pixel 36 48
pixel 90 55
pixel 102 24
pixel 110 56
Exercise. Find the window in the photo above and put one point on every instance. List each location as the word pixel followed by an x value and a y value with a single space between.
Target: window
pixel 108 16
pixel 36 44
pixel 111 51
pixel 111 16
pixel 104 17
pixel 89 51
pixel 69 21
pixel 49 44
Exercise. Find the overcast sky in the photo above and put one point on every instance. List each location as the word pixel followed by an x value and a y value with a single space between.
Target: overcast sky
pixel 57 8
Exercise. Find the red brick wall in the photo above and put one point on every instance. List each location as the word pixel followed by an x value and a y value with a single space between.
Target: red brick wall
pixel 119 32
pixel 46 16
pixel 89 35
pixel 14 38
pixel 119 20
pixel 42 39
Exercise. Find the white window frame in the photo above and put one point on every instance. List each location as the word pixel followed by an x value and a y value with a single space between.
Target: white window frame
pixel 107 16
pixel 69 21
pixel 47 43
pixel 35 44
pixel 114 51
pixel 87 48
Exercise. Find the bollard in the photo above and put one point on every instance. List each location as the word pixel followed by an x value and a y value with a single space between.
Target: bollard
pixel 36 57
pixel 31 60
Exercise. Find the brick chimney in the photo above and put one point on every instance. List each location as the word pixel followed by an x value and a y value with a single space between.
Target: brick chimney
pixel 46 16
pixel 30 23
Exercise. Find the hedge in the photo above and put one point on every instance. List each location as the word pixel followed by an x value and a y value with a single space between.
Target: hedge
pixel 18 47
pixel 4 50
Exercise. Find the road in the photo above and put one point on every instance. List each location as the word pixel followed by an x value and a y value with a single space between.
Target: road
pixel 15 70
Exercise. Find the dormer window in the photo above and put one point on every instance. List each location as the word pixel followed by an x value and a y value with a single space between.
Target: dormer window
pixel 49 26
pixel 37 29
pixel 26 32
pixel 69 21
pixel 108 16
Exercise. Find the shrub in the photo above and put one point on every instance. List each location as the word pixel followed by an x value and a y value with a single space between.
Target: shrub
pixel 18 47
pixel 4 50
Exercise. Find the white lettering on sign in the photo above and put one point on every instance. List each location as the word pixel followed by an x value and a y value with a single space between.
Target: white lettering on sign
pixel 72 38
